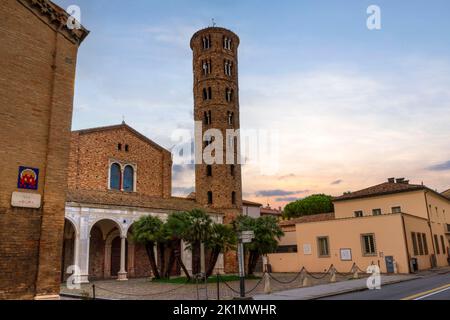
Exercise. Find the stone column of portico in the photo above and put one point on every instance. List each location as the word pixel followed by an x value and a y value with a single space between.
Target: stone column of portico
pixel 122 275
pixel 83 251
pixel 76 257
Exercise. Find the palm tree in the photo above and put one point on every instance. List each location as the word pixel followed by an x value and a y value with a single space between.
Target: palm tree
pixel 148 231
pixel 222 238
pixel 176 227
pixel 198 231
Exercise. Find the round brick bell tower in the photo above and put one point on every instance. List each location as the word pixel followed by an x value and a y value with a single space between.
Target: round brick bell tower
pixel 216 106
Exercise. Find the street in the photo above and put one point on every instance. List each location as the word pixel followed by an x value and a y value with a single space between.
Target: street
pixel 434 287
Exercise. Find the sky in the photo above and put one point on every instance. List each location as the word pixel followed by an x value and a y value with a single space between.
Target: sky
pixel 351 106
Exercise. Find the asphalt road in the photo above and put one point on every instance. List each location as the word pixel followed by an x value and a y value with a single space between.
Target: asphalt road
pixel 434 287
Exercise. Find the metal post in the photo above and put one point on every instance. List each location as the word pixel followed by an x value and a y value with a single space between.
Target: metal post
pixel 241 268
pixel 218 286
pixel 93 292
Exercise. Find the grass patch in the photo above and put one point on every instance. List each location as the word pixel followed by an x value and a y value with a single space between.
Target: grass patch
pixel 212 279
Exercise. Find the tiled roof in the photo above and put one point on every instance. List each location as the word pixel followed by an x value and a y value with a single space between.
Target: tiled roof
pixel 381 189
pixel 266 211
pixel 251 203
pixel 446 194
pixel 117 198
pixel 307 219
pixel 123 125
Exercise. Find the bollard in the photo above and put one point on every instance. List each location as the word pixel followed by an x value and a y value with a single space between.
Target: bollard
pixel 267 286
pixel 218 286
pixel 93 292
pixel 333 275
pixel 305 281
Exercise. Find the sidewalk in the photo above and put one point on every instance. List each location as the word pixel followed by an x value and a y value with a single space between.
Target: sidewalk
pixel 325 290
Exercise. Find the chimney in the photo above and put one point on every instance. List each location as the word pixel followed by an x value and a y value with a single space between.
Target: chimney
pixel 391 180
pixel 400 180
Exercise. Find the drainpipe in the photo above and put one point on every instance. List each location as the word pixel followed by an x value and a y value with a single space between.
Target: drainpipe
pixel 429 226
pixel 406 243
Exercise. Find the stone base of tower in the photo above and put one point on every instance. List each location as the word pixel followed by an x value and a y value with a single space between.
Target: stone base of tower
pixel 231 264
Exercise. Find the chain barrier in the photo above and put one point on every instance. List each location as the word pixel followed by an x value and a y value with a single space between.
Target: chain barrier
pixel 289 281
pixel 319 277
pixel 257 285
pixel 331 270
pixel 229 287
pixel 143 295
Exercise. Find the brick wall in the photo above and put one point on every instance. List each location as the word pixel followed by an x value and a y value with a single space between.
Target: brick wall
pixel 92 151
pixel 37 68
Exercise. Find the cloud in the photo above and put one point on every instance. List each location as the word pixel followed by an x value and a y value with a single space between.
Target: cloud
pixel 291 175
pixel 278 193
pixel 177 35
pixel 182 191
pixel 336 182
pixel 287 199
pixel 440 167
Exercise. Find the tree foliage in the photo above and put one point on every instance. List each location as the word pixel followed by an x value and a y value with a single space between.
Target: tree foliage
pixel 315 204
pixel 194 228
pixel 267 233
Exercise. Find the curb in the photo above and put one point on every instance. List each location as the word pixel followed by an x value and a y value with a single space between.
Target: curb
pixel 358 289
pixel 76 296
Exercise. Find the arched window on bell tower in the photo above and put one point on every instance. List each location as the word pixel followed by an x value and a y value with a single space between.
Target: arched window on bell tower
pixel 207 93
pixel 209 171
pixel 206 42
pixel 229 95
pixel 210 197
pixel 230 118
pixel 207 118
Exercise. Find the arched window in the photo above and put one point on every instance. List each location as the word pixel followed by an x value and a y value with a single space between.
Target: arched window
pixel 210 197
pixel 115 177
pixel 209 171
pixel 128 179
pixel 232 170
pixel 233 197
pixel 207 118
pixel 229 94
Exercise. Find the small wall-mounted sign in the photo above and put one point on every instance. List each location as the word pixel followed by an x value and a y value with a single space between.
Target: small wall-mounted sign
pixel 26 200
pixel 307 249
pixel 28 178
pixel 346 254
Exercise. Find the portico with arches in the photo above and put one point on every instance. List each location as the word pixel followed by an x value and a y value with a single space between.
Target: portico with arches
pixel 99 244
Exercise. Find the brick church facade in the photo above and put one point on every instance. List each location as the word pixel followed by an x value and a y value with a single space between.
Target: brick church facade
pixel 38 55
pixel 117 175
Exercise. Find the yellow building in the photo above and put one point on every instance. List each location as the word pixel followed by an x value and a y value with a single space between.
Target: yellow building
pixel 399 226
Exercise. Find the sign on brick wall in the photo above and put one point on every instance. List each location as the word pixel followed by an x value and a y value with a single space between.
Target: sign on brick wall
pixel 28 178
